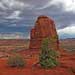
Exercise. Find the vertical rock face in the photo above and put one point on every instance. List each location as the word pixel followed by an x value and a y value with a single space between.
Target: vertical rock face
pixel 44 27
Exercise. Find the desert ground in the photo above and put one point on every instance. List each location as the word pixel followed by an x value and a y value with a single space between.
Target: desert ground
pixel 67 59
pixel 21 44
pixel 68 44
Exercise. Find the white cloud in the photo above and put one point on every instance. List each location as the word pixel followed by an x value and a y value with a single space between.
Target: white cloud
pixel 67 30
pixel 16 35
pixel 45 6
pixel 10 4
pixel 14 15
pixel 13 11
pixel 68 5
pixel 2 6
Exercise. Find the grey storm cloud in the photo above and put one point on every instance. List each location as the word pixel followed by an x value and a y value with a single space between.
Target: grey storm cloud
pixel 25 12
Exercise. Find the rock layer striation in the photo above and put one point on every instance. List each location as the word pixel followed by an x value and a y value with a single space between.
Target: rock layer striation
pixel 44 28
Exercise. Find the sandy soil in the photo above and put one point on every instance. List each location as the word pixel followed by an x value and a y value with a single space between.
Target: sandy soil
pixel 66 67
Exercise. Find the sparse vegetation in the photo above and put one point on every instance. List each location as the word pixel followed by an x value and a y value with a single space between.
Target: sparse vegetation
pixel 7 45
pixel 48 56
pixel 16 61
pixel 68 44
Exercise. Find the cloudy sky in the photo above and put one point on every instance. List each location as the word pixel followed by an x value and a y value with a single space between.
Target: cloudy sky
pixel 18 16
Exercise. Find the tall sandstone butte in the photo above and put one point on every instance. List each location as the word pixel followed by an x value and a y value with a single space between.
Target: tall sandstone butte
pixel 44 27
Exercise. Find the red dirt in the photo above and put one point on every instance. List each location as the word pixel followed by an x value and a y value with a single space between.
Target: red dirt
pixel 67 66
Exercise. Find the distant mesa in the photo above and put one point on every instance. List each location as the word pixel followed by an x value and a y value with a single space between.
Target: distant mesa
pixel 44 27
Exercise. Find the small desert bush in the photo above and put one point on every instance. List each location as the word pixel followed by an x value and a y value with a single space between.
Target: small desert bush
pixel 48 57
pixel 16 61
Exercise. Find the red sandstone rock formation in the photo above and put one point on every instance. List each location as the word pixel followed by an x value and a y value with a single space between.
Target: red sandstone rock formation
pixel 44 27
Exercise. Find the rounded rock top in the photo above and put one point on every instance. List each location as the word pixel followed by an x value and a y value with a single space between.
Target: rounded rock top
pixel 44 17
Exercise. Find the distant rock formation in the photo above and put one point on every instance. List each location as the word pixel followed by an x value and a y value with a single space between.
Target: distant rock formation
pixel 44 27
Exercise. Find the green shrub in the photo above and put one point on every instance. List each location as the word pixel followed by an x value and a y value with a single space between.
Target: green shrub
pixel 48 57
pixel 16 61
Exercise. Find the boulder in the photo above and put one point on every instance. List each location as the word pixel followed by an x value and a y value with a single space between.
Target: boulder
pixel 44 27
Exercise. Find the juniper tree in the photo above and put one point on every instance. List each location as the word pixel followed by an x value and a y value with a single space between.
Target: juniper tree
pixel 48 55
